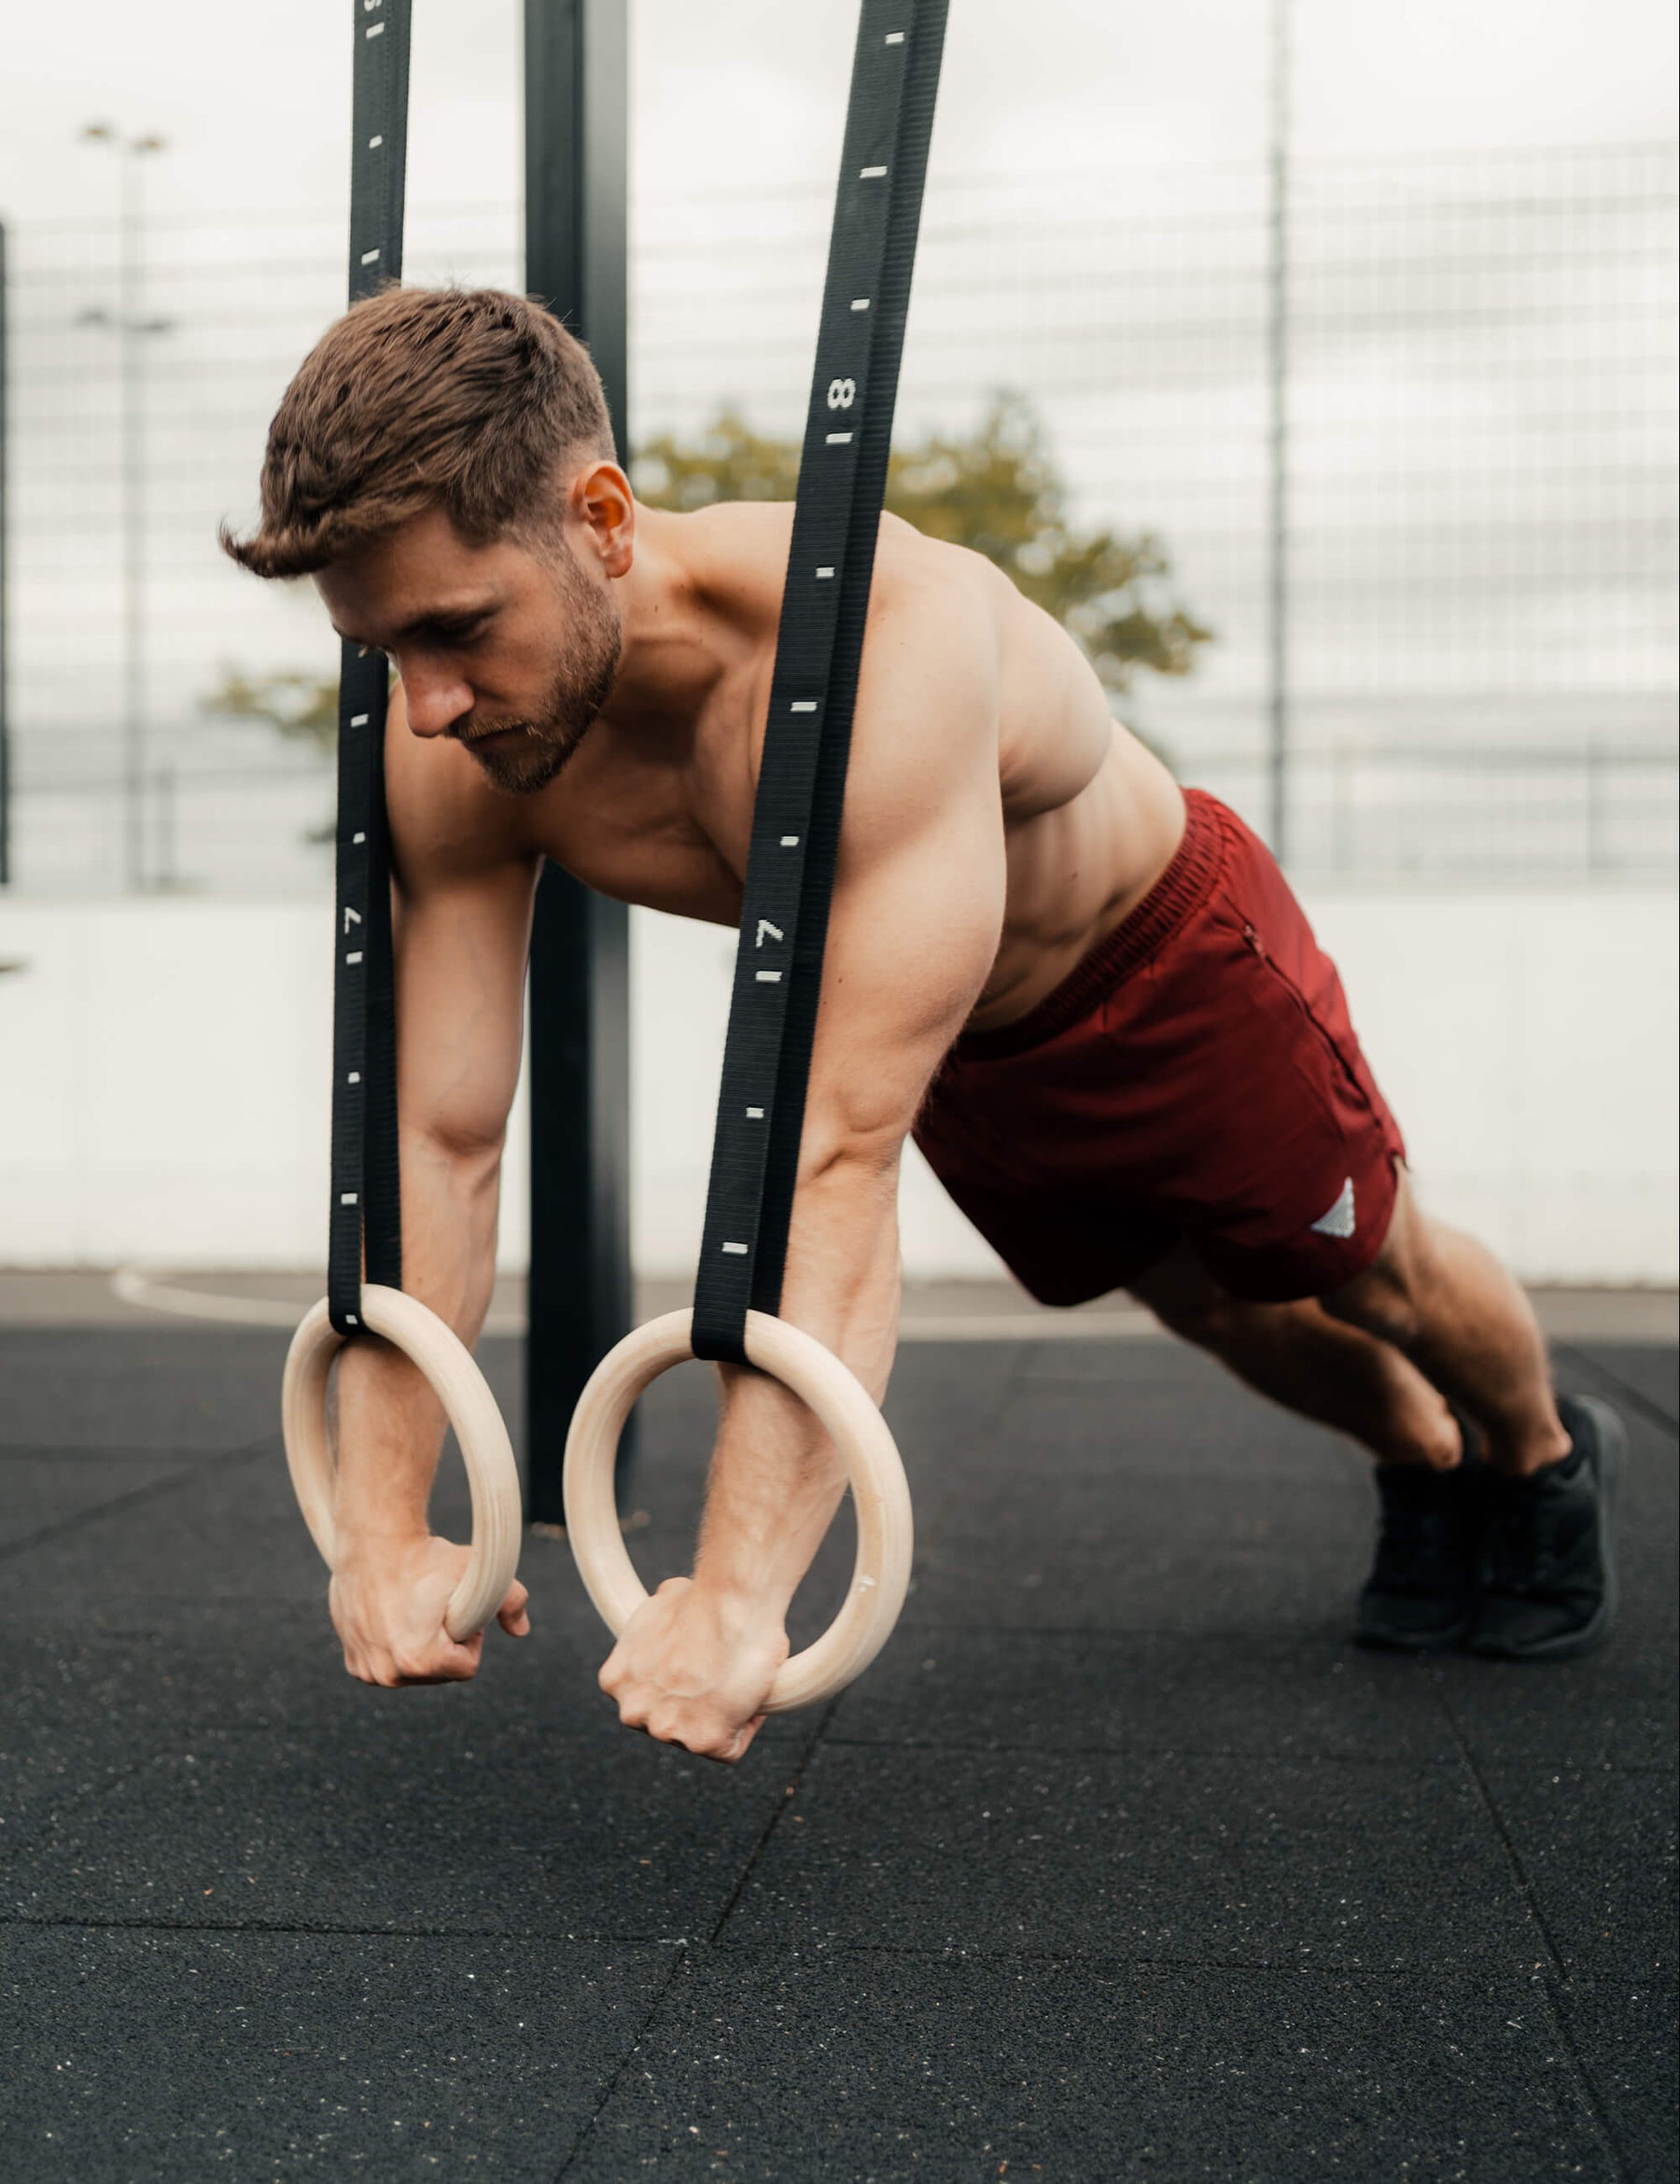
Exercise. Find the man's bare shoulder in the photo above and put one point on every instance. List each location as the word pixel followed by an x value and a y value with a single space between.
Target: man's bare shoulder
pixel 736 553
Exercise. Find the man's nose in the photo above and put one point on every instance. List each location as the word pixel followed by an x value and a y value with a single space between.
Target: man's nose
pixel 435 702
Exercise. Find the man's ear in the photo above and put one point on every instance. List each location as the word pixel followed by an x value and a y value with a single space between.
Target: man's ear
pixel 601 500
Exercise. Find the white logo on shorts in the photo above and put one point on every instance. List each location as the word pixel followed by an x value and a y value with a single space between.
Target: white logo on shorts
pixel 1339 1220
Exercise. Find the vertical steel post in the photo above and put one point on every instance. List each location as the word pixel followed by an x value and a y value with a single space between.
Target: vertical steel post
pixel 576 122
pixel 1278 583
pixel 5 871
pixel 130 337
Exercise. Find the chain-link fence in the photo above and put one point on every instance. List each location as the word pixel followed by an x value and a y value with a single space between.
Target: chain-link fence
pixel 1474 514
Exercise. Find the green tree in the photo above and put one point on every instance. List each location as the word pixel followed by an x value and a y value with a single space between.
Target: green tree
pixel 294 703
pixel 995 490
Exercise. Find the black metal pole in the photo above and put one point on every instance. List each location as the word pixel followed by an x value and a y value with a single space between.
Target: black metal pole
pixel 577 124
pixel 5 659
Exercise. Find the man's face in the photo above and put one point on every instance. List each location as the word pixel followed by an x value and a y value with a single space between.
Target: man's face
pixel 508 650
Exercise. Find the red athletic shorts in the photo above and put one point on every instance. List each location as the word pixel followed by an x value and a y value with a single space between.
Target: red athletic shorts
pixel 1196 1078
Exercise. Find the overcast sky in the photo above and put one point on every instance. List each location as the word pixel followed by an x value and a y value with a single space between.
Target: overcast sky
pixel 254 100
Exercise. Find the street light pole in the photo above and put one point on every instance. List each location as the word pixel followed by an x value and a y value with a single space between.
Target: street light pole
pixel 1278 376
pixel 131 330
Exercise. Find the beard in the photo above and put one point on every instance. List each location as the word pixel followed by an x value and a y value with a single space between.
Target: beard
pixel 572 702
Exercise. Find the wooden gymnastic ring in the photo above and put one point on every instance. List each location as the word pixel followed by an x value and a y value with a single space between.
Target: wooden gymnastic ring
pixel 880 1495
pixel 497 1511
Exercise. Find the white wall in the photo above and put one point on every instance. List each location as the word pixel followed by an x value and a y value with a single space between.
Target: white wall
pixel 165 1070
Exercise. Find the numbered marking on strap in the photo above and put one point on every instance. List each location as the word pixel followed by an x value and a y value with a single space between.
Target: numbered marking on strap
pixel 351 917
pixel 765 926
pixel 842 393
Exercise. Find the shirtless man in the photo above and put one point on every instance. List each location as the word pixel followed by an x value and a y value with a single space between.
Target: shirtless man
pixel 1090 998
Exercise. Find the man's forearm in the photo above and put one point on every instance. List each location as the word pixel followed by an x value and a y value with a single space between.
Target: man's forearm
pixel 390 1425
pixel 775 1478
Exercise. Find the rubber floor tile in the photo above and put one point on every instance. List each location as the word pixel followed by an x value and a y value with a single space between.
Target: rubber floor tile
pixel 1651 1370
pixel 403 1825
pixel 170 1388
pixel 1623 2033
pixel 1245 1862
pixel 1293 1696
pixel 1597 1848
pixel 42 1489
pixel 134 2057
pixel 855 2067
pixel 1176 1553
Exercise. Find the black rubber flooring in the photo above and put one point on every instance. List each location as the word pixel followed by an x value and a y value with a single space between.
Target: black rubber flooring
pixel 1121 1863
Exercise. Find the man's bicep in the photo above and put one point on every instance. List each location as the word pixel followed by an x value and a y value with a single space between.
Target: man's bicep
pixel 912 939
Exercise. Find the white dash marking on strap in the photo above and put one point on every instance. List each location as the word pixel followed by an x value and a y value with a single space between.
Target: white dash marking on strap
pixel 895 37
pixel 376 30
pixel 735 1250
pixel 839 439
pixel 347 1197
pixel 354 957
pixel 789 841
pixel 361 719
pixel 351 1319
pixel 755 1114
pixel 354 1078
pixel 374 142
pixel 802 706
pixel 871 174
pixel 825 572
pixel 768 977
pixel 860 303
pixel 358 838
pixel 367 257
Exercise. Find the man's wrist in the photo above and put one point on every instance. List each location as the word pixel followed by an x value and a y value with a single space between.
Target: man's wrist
pixel 742 1603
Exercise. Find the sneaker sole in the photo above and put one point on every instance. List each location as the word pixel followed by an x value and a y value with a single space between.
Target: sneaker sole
pixel 1449 1641
pixel 1612 1451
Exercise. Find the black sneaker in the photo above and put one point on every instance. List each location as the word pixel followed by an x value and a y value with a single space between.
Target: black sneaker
pixel 1420 1595
pixel 1548 1589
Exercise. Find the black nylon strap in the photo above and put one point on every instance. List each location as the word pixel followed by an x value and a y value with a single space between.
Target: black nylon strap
pixel 825 600
pixel 365 1196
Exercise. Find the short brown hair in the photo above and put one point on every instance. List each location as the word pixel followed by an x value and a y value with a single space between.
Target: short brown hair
pixel 458 398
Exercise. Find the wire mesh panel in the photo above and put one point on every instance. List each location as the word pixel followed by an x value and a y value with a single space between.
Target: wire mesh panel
pixel 1481 476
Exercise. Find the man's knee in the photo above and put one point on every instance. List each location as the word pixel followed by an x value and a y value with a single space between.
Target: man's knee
pixel 1390 1298
pixel 1189 1303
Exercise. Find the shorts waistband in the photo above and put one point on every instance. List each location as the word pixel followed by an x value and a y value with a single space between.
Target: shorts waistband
pixel 1181 890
